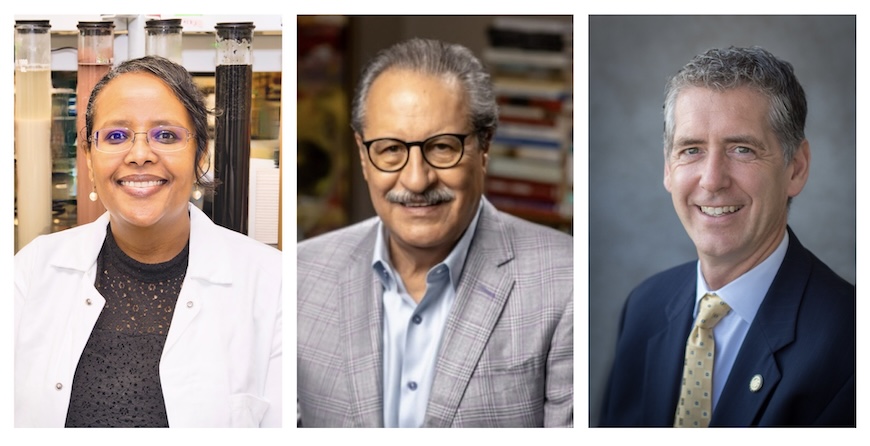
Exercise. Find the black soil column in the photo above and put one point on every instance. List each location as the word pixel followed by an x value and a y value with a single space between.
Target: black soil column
pixel 232 148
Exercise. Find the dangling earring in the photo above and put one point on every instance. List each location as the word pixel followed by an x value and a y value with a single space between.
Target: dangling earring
pixel 197 194
pixel 93 195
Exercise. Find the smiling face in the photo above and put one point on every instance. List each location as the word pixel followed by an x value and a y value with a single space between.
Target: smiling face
pixel 411 106
pixel 142 188
pixel 729 180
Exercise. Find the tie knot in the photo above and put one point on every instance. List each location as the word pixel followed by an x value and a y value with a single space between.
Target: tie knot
pixel 712 310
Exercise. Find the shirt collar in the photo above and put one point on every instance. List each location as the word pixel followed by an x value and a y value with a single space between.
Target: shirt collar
pixel 745 293
pixel 454 261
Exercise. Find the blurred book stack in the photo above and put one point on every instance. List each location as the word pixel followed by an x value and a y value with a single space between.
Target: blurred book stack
pixel 530 165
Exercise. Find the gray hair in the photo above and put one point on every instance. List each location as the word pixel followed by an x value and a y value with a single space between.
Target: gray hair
pixel 723 69
pixel 435 58
pixel 186 91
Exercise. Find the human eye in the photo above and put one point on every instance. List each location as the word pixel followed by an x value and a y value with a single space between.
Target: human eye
pixel 166 135
pixel 743 152
pixel 689 152
pixel 445 143
pixel 441 147
pixel 389 147
pixel 113 136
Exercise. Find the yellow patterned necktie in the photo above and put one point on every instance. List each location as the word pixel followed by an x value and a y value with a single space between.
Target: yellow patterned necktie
pixel 695 407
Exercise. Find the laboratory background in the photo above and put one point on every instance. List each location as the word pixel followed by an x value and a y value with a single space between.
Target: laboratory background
pixel 235 60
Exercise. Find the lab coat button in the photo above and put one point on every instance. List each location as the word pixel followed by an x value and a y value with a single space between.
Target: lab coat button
pixel 755 383
pixel 190 304
pixel 58 386
pixel 88 301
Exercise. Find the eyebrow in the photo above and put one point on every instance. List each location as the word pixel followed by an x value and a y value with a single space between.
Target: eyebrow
pixel 127 123
pixel 736 139
pixel 745 139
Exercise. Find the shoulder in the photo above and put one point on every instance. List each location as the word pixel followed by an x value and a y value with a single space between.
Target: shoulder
pixel 669 279
pixel 660 289
pixel 338 244
pixel 526 229
pixel 530 241
pixel 802 269
pixel 824 279
pixel 244 244
pixel 219 253
pixel 73 247
pixel 826 295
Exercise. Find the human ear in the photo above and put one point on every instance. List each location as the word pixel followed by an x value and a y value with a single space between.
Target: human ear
pixel 799 169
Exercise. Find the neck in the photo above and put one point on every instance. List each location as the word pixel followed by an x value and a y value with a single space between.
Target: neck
pixel 151 244
pixel 412 260
pixel 412 264
pixel 720 272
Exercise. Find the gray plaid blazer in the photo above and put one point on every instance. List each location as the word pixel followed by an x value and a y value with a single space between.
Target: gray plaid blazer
pixel 507 354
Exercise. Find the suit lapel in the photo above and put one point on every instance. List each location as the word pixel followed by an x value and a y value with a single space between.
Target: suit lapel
pixel 484 288
pixel 665 355
pixel 772 329
pixel 361 322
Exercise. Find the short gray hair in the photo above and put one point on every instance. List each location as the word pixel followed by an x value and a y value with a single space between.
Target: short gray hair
pixel 435 58
pixel 754 67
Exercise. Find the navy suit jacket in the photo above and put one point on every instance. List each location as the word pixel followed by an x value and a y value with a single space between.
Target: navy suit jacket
pixel 801 343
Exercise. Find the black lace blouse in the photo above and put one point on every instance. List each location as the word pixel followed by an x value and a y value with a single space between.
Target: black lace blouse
pixel 117 380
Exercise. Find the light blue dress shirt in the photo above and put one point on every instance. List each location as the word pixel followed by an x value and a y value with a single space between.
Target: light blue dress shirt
pixel 744 295
pixel 412 332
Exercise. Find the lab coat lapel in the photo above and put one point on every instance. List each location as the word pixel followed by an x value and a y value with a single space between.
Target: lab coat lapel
pixel 208 263
pixel 80 254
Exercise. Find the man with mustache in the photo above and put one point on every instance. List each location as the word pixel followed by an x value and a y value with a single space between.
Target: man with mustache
pixel 441 311
pixel 777 347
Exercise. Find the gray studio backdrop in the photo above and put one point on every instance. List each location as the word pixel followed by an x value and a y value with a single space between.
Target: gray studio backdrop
pixel 633 229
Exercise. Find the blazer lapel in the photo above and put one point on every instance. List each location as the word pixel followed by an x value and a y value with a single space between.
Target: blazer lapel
pixel 665 355
pixel 483 290
pixel 773 328
pixel 361 322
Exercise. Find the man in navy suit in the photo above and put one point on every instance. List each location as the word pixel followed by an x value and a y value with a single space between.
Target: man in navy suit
pixel 735 156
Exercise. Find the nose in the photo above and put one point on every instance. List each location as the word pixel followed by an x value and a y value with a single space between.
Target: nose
pixel 715 172
pixel 418 175
pixel 141 152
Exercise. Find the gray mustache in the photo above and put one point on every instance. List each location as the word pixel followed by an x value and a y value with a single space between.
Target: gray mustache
pixel 430 197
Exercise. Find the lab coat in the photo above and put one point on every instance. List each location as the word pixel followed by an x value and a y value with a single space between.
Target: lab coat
pixel 221 364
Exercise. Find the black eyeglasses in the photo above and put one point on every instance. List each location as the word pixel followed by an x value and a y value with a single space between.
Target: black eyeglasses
pixel 440 151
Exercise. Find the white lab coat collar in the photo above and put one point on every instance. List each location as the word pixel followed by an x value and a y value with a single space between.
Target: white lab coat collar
pixel 209 259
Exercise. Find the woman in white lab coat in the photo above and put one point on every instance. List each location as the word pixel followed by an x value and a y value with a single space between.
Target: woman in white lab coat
pixel 152 315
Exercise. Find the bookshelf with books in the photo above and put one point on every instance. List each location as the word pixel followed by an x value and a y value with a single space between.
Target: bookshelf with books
pixel 531 155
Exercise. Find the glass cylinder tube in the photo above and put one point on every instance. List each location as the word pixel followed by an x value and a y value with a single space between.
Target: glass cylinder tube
pixel 32 129
pixel 163 38
pixel 233 91
pixel 96 53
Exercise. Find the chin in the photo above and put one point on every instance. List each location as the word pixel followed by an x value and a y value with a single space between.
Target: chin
pixel 421 239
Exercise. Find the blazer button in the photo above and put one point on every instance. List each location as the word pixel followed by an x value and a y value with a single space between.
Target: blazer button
pixel 755 383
